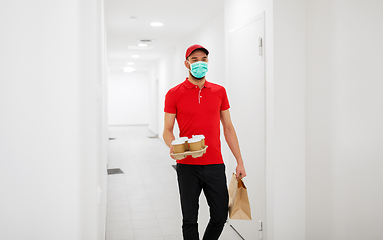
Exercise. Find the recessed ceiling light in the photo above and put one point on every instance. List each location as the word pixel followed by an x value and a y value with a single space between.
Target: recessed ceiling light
pixel 129 69
pixel 156 24
pixel 130 63
pixel 135 56
pixel 142 45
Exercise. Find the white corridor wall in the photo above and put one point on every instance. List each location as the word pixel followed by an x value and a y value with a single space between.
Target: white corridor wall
pixel 344 116
pixel 128 98
pixel 52 129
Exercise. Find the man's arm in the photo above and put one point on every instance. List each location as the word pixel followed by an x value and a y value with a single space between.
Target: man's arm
pixel 232 141
pixel 168 130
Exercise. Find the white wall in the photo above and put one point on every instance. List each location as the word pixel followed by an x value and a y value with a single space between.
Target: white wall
pixel 128 98
pixel 344 120
pixel 51 129
pixel 153 100
pixel 289 119
pixel 165 75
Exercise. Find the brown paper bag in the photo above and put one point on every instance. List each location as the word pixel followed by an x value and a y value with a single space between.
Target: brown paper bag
pixel 239 206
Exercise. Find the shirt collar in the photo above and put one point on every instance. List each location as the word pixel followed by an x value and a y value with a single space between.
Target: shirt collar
pixel 190 85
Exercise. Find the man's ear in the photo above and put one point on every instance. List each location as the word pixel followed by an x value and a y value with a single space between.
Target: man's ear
pixel 187 64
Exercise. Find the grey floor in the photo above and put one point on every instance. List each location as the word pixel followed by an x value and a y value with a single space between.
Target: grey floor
pixel 143 202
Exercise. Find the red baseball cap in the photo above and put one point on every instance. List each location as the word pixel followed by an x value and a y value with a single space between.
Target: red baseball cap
pixel 195 47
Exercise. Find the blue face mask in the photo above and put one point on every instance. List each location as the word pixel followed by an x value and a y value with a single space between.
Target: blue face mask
pixel 198 69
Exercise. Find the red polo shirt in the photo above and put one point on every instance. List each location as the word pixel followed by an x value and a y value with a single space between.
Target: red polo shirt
pixel 198 112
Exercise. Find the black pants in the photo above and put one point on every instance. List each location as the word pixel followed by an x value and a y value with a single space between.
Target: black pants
pixel 212 179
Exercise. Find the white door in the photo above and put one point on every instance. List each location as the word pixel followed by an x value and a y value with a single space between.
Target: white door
pixel 246 91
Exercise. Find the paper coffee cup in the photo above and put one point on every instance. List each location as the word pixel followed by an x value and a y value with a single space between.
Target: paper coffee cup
pixel 186 145
pixel 202 137
pixel 195 144
pixel 178 146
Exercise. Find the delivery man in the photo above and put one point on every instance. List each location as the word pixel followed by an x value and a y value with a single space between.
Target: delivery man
pixel 199 106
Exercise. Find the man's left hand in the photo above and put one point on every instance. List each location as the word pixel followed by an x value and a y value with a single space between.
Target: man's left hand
pixel 240 170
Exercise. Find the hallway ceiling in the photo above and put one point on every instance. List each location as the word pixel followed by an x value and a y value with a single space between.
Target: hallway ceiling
pixel 180 18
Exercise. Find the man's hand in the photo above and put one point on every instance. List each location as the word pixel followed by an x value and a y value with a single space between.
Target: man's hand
pixel 171 151
pixel 240 171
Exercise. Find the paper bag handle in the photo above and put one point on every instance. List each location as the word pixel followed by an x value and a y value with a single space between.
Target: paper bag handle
pixel 241 184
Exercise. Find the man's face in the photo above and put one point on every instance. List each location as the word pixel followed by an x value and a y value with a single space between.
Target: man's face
pixel 196 56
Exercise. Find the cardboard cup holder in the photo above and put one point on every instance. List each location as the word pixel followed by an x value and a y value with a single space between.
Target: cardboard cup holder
pixel 194 154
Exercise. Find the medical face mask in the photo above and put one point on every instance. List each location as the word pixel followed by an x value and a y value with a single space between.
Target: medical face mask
pixel 198 69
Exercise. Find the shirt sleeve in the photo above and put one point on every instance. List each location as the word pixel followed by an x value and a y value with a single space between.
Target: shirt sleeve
pixel 170 103
pixel 225 101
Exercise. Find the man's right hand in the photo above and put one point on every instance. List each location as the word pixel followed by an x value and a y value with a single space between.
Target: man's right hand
pixel 171 152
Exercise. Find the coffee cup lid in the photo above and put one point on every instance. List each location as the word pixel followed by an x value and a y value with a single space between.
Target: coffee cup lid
pixel 199 136
pixel 178 141
pixel 194 139
pixel 184 138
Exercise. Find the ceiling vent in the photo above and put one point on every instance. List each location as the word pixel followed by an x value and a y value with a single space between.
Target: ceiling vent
pixel 147 41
